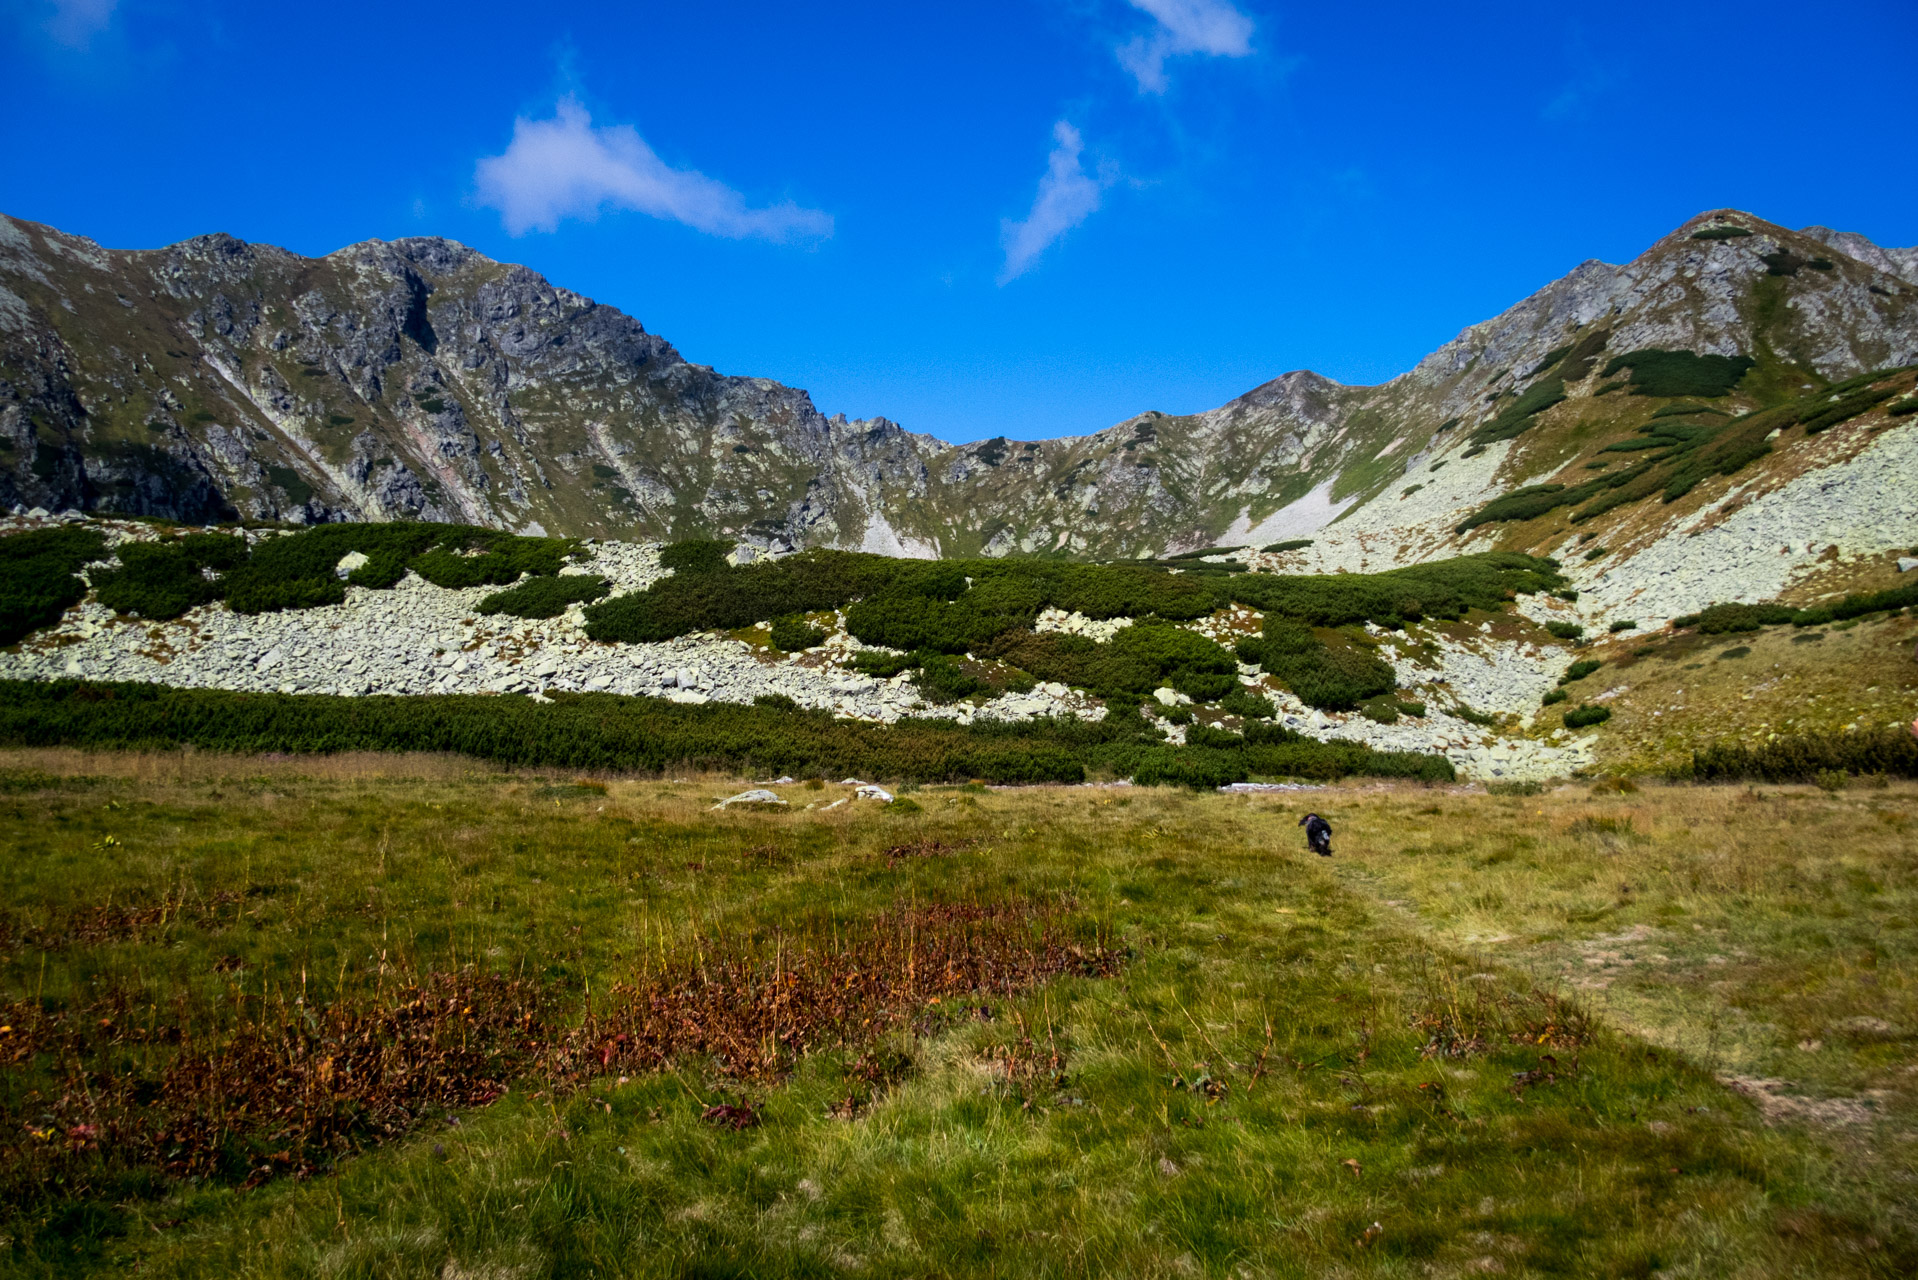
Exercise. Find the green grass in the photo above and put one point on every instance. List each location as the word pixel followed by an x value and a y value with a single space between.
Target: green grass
pixel 1280 1060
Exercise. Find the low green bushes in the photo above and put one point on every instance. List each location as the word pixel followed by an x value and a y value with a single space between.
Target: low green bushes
pixel 1585 716
pixel 1726 232
pixel 647 735
pixel 1565 630
pixel 1440 589
pixel 792 633
pixel 297 570
pixel 1721 619
pixel 1137 660
pixel 546 597
pixel 1299 544
pixel 1552 697
pixel 39 576
pixel 725 598
pixel 1656 372
pixel 1802 758
pixel 1517 417
pixel 1332 679
pixel 941 679
pixel 160 580
pixel 1579 670
pixel 1244 703
pixel 699 555
pixel 1844 408
pixel 883 666
pixel 1623 624
pixel 1380 710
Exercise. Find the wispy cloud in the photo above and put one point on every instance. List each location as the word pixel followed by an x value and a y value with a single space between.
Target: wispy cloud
pixel 566 168
pixel 1576 97
pixel 74 23
pixel 1068 195
pixel 1211 27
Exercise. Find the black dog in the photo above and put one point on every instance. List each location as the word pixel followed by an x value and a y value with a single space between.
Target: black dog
pixel 1318 834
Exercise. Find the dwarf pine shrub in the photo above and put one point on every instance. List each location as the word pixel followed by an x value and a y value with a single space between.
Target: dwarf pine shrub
pixel 1803 757
pixel 39 576
pixel 545 597
pixel 793 633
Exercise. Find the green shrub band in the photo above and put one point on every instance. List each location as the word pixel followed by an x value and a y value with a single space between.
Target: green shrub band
pixel 650 735
pixel 163 579
pixel 1804 758
pixel 297 571
pixel 1723 619
pixel 39 577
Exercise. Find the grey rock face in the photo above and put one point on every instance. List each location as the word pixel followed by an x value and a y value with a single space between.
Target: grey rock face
pixel 419 379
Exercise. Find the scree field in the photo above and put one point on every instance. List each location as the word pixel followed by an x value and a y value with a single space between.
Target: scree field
pixel 414 1016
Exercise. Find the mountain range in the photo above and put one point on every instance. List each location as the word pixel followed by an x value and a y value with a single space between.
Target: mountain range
pixel 418 379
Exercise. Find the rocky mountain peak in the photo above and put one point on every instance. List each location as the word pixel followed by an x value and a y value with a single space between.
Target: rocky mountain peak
pixel 419 378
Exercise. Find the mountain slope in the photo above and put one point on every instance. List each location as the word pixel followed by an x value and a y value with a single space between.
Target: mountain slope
pixel 420 379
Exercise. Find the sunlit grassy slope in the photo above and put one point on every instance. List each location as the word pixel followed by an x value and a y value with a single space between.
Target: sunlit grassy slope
pixel 1482 1039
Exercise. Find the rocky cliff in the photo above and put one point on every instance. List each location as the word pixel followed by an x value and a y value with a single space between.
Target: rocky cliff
pixel 420 379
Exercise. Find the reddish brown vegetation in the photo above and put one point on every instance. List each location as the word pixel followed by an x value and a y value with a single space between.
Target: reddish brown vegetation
pixel 120 921
pixel 261 1088
pixel 755 1013
pixel 926 848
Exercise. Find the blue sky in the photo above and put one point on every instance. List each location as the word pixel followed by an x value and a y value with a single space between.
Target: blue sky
pixel 1031 218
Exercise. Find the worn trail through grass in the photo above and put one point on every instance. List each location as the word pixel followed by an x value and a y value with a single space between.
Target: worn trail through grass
pixel 480 1023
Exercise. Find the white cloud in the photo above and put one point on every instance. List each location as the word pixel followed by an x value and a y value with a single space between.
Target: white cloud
pixel 74 23
pixel 1067 196
pixel 566 168
pixel 1211 27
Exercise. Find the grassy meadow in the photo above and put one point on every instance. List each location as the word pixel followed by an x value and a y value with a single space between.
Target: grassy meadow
pixel 415 1016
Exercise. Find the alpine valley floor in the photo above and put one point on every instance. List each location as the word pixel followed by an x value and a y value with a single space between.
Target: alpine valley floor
pixel 414 1017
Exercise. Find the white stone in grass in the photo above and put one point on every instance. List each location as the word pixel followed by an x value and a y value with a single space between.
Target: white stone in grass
pixel 1907 563
pixel 872 792
pixel 757 796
